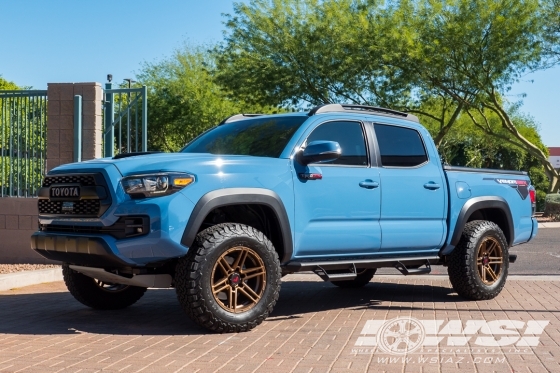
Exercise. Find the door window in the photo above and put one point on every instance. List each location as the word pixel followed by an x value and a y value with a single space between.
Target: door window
pixel 399 146
pixel 350 137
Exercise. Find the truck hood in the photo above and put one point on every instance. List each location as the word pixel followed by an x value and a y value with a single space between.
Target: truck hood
pixel 197 163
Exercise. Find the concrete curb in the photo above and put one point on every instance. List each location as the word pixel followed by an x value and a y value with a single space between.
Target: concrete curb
pixel 26 278
pixel 549 225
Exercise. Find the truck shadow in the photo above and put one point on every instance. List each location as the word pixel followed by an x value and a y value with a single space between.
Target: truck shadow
pixel 159 313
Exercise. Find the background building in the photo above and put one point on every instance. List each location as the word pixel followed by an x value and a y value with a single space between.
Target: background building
pixel 554 156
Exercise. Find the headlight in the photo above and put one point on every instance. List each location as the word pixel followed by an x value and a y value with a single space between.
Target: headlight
pixel 155 185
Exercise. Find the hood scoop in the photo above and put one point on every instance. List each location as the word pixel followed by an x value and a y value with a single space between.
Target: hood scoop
pixel 134 154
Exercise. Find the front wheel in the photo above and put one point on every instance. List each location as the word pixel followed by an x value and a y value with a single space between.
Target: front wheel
pixel 97 294
pixel 230 279
pixel 478 267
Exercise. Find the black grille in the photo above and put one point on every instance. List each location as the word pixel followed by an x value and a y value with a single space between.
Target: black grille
pixel 83 207
pixel 94 197
pixel 125 227
pixel 85 180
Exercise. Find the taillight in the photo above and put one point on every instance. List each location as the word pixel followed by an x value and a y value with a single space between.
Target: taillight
pixel 533 196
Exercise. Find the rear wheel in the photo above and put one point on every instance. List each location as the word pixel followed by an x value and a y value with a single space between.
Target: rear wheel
pixel 363 278
pixel 478 267
pixel 100 295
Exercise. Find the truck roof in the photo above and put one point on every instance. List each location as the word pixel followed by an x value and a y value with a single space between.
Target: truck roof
pixel 337 108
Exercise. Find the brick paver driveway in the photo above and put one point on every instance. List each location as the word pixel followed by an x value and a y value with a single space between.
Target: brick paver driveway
pixel 315 327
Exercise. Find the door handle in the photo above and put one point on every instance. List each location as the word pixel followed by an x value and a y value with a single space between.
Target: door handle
pixel 431 185
pixel 369 184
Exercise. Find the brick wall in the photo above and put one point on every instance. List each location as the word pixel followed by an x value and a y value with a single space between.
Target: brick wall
pixel 60 122
pixel 18 220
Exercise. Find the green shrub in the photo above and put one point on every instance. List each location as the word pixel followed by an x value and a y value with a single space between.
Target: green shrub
pixel 552 206
pixel 554 198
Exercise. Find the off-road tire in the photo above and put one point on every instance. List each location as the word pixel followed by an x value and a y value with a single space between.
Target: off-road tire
pixel 194 277
pixel 362 279
pixel 87 291
pixel 462 269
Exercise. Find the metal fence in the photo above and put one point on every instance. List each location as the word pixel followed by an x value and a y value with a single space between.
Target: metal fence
pixel 23 123
pixel 125 120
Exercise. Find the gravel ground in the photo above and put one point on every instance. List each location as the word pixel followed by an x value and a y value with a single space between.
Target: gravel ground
pixel 11 268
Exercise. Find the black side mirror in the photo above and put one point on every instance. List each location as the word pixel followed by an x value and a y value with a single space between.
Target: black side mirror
pixel 319 152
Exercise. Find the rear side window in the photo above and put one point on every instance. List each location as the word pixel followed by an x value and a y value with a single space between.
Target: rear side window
pixel 349 136
pixel 399 146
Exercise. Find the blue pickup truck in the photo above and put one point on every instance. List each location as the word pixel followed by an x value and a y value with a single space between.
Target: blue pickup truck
pixel 340 190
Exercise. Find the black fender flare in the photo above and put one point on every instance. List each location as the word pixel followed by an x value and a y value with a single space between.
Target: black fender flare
pixel 236 196
pixel 479 203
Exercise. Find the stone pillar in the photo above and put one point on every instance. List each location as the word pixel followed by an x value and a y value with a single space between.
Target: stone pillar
pixel 60 122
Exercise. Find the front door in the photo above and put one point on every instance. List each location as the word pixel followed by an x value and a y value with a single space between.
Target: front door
pixel 337 204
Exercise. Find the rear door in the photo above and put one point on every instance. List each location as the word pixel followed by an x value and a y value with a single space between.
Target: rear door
pixel 412 191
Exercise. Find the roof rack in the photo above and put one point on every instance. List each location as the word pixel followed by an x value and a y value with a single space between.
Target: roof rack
pixel 237 117
pixel 329 108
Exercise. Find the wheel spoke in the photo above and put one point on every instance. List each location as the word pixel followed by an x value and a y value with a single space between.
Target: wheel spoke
pixel 495 260
pixel 492 273
pixel 254 272
pixel 249 293
pixel 483 273
pixel 232 299
pixel 240 260
pixel 224 266
pixel 220 286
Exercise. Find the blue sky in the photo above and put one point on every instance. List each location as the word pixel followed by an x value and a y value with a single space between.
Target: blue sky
pixel 82 41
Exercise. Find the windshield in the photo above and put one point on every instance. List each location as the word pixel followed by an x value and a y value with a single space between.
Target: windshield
pixel 260 137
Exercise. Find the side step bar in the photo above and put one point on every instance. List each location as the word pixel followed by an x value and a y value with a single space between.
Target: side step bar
pixel 336 270
pixel 298 266
pixel 414 271
pixel 322 272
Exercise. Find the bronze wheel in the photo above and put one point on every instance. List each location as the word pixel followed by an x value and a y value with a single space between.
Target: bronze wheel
pixel 478 267
pixel 489 260
pixel 238 279
pixel 230 279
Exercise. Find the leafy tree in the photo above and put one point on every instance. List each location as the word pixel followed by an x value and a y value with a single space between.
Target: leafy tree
pixel 456 56
pixel 470 145
pixel 7 85
pixel 472 51
pixel 184 100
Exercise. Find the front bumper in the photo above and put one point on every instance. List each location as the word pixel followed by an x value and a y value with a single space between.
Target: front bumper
pixel 104 251
pixel 107 239
pixel 81 250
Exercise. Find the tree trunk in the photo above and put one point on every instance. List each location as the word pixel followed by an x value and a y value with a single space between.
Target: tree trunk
pixel 549 169
pixel 445 129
